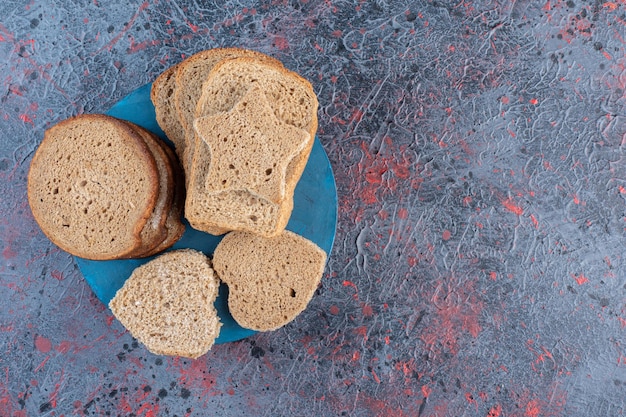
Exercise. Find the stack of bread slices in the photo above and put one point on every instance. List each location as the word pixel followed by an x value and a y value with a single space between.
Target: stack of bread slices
pixel 103 188
pixel 243 127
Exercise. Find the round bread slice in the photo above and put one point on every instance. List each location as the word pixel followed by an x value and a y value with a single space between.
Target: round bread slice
pixel 270 280
pixel 167 304
pixel 92 185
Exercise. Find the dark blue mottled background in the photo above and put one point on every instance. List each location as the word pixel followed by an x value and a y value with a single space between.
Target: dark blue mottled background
pixel 479 155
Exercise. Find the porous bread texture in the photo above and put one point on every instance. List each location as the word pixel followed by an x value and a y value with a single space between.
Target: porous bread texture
pixel 270 280
pixel 293 102
pixel 250 148
pixel 167 304
pixel 190 75
pixel 92 185
pixel 162 97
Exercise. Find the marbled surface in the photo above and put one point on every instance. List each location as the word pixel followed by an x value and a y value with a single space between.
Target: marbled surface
pixel 478 268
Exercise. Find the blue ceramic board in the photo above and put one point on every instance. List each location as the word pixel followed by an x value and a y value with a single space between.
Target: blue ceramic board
pixel 314 216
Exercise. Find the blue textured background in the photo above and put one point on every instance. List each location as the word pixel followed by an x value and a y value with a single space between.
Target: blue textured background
pixel 478 269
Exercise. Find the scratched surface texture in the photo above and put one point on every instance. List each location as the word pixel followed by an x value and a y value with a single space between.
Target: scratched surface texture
pixel 479 154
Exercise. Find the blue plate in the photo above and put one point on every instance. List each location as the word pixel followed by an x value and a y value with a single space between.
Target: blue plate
pixel 314 216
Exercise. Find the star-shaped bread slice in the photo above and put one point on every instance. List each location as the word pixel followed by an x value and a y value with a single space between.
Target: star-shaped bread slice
pixel 250 148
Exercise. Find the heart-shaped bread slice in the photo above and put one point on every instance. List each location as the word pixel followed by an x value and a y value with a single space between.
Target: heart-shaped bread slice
pixel 270 280
pixel 167 304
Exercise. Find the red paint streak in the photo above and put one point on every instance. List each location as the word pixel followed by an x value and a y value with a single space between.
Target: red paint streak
pixel 197 374
pixel 58 275
pixel 532 409
pixel 493 275
pixel 148 410
pixel 26 119
pixel 64 347
pixel 510 206
pixel 43 344
pixel 367 311
pixel 109 46
pixel 495 411
pixel 347 283
pixel 382 408
pixel 42 364
pixel 55 393
pixel 470 399
pixel 458 311
pixel 376 168
pixel 446 235
pixel 535 221
pixel 281 43
pixel 426 391
pixel 334 310
pixel 136 47
pixel 403 214
pixel 357 116
pixel 361 331
pixel 533 101
pixel 8 408
pixel 376 378
pixel 194 28
pixel 580 279
pixel 123 405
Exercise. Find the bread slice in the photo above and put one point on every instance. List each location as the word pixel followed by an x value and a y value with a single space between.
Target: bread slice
pixel 167 304
pixel 173 224
pixel 270 281
pixel 292 101
pixel 92 185
pixel 249 150
pixel 162 97
pixel 166 221
pixel 250 147
pixel 190 75
pixel 154 231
